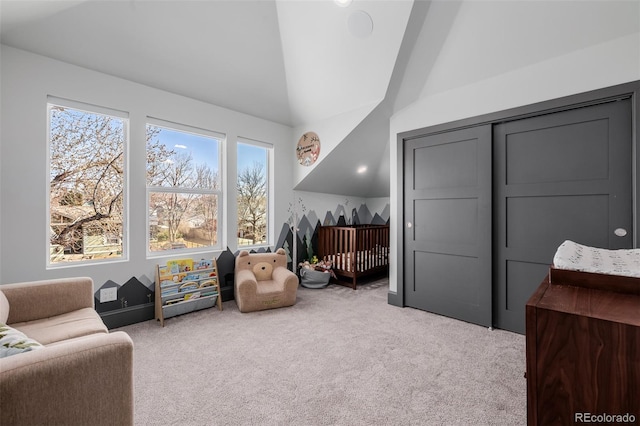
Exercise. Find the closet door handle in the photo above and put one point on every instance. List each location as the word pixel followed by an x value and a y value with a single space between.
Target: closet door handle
pixel 620 232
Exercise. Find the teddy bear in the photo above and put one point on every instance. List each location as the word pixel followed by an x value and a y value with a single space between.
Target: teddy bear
pixel 262 281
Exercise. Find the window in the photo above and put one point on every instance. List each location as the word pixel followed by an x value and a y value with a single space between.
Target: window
pixel 253 186
pixel 183 187
pixel 86 182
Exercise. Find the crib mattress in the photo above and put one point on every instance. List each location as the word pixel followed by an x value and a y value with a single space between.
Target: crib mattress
pixel 373 258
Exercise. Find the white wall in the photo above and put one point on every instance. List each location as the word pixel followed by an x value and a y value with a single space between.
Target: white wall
pixel 316 204
pixel 331 132
pixel 489 81
pixel 27 80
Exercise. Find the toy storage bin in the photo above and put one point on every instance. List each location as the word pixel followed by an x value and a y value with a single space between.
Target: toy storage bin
pixel 314 279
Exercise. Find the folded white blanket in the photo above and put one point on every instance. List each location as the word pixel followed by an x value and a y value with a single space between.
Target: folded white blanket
pixel 576 257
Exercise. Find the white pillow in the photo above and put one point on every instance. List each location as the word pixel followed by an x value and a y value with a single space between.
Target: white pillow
pixel 14 342
pixel 4 308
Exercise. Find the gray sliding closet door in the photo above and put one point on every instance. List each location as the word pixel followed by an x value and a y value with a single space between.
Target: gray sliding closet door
pixel 559 176
pixel 447 224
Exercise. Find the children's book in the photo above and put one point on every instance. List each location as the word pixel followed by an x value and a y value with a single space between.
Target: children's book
pixel 180 265
pixel 203 264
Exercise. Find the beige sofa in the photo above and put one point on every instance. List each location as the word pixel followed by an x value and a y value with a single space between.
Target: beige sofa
pixel 82 374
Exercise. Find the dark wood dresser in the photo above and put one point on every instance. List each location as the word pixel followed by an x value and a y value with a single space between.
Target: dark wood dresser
pixel 583 350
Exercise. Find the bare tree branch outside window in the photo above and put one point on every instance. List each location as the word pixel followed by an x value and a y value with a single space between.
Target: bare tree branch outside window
pixel 252 195
pixel 184 186
pixel 86 184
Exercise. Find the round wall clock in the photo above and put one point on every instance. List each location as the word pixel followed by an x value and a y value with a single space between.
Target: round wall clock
pixel 308 148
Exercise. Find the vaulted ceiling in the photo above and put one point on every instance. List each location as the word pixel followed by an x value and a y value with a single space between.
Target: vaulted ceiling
pixel 295 62
pixel 311 64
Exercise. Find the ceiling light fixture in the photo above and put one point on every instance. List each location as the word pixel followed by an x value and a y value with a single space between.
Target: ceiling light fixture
pixel 343 3
pixel 362 169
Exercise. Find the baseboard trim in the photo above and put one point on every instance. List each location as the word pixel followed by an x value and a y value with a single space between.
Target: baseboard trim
pixel 126 316
pixel 394 299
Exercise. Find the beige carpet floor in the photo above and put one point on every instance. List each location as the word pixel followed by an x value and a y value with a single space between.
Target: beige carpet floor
pixel 338 357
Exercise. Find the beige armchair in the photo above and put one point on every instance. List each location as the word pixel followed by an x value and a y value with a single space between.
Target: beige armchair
pixel 262 281
pixel 81 375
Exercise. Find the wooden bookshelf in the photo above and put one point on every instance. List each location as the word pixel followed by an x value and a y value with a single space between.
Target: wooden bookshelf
pixel 186 285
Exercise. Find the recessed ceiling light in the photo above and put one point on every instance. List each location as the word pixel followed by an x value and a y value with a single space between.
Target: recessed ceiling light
pixel 343 3
pixel 362 169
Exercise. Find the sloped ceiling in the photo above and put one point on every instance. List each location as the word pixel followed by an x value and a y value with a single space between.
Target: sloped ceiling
pixel 226 53
pixel 291 62
pixel 294 62
pixel 366 144
pixel 297 62
pixel 330 69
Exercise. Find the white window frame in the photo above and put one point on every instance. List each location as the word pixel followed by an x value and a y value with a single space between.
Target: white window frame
pixel 53 101
pixel 198 131
pixel 270 191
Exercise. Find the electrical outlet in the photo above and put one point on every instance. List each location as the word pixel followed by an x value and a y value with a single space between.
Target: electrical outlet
pixel 108 294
